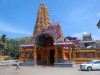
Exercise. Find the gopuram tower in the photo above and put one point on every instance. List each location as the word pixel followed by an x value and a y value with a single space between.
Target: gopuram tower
pixel 44 31
pixel 42 21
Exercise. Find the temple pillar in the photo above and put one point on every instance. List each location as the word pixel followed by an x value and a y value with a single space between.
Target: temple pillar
pixel 24 58
pixel 73 54
pixel 56 54
pixel 62 53
pixel 70 54
pixel 35 55
pixel 96 54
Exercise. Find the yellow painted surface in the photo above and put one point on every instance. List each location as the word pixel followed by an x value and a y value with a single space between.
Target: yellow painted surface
pixel 1 58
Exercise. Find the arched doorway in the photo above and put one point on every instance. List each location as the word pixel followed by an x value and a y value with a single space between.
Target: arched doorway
pixel 44 40
pixel 45 43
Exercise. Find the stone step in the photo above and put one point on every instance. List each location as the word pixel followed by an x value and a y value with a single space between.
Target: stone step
pixel 27 64
pixel 65 64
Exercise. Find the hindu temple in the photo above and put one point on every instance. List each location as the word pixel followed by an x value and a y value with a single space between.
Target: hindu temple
pixel 48 46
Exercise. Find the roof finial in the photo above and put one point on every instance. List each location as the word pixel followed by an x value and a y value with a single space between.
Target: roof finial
pixel 42 4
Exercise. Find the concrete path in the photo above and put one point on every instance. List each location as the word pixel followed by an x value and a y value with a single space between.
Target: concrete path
pixel 45 70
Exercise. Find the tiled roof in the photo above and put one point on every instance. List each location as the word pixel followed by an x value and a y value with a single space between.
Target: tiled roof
pixel 76 42
pixel 63 43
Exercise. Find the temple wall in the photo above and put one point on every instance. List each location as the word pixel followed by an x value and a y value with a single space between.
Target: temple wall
pixel 60 53
pixel 43 55
pixel 83 55
pixel 72 55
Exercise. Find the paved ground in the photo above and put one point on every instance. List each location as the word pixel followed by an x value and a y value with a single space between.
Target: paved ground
pixel 45 70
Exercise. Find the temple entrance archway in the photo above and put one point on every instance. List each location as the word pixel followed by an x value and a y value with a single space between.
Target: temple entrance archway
pixel 44 40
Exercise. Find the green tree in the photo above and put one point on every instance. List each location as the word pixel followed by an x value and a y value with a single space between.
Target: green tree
pixel 10 47
pixel 71 38
pixel 98 24
pixel 3 38
pixel 3 44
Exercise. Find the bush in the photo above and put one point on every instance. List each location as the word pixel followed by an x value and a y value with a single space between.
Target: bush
pixel 7 57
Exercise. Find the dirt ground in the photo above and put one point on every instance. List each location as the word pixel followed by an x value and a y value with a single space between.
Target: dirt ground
pixel 45 70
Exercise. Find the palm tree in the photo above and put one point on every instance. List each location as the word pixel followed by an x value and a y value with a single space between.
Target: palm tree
pixel 3 45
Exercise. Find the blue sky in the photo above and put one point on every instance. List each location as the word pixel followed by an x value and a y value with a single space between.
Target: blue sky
pixel 77 17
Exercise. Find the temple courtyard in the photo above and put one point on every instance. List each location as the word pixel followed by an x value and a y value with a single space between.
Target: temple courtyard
pixel 45 70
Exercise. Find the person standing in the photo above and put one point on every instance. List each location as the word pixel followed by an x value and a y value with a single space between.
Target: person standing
pixel 17 65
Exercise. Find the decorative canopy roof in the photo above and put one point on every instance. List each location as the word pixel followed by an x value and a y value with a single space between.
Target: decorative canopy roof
pixel 65 44
pixel 27 45
pixel 76 42
pixel 87 42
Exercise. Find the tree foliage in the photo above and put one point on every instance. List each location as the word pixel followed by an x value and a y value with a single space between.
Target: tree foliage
pixel 98 24
pixel 71 38
pixel 10 47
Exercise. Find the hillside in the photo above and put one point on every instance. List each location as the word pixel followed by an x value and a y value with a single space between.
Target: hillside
pixel 23 39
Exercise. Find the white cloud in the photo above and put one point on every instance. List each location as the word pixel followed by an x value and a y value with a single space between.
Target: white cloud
pixel 95 35
pixel 79 35
pixel 98 14
pixel 5 27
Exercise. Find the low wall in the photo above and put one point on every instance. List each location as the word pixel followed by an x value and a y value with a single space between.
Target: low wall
pixel 83 55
